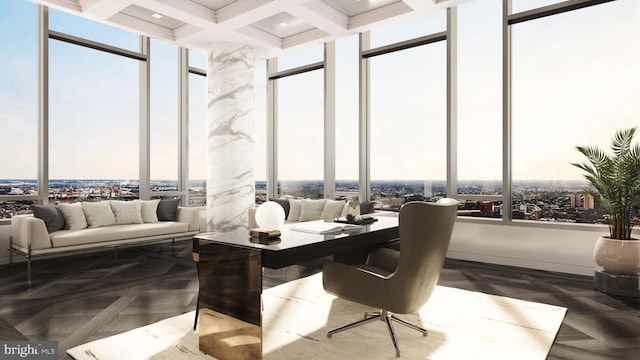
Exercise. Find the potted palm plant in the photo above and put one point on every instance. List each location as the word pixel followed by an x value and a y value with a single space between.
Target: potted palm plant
pixel 614 181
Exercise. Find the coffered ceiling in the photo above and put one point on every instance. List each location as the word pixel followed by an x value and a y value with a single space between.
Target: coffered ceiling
pixel 270 26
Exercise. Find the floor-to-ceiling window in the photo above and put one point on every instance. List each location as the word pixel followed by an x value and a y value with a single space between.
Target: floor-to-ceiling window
pixel 575 81
pixel 164 124
pixel 298 112
pixel 479 99
pixel 346 118
pixel 18 101
pixel 408 117
pixel 93 100
pixel 197 129
pixel 301 135
pixel 93 118
pixel 260 135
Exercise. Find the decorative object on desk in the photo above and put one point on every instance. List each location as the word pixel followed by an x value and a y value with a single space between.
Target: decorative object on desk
pixel 352 207
pixel 357 219
pixel 265 240
pixel 261 233
pixel 297 314
pixel 615 186
pixel 270 215
pixel 286 206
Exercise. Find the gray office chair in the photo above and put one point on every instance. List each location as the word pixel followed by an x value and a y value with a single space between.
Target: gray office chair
pixel 398 281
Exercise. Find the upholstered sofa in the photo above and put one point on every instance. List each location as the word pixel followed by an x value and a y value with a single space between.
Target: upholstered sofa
pixel 90 225
pixel 297 210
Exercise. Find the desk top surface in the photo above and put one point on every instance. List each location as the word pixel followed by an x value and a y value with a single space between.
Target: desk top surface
pixel 293 239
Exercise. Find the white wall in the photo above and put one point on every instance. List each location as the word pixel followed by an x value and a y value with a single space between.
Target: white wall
pixel 527 245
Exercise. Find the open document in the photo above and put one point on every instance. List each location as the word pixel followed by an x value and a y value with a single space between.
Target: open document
pixel 318 227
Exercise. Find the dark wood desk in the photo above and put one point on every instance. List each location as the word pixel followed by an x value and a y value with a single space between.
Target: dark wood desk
pixel 230 275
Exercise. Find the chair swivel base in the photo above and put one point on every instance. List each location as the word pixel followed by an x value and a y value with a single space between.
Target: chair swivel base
pixel 387 317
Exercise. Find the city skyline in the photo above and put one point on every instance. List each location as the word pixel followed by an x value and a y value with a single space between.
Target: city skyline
pixel 73 188
pixel 557 201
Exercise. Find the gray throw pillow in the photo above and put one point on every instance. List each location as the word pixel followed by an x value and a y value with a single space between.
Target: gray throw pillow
pixel 367 207
pixel 168 209
pixel 51 215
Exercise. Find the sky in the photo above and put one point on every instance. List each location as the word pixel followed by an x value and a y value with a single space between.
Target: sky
pixel 576 80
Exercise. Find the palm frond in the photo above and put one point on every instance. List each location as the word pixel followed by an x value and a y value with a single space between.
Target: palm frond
pixel 621 142
pixel 614 180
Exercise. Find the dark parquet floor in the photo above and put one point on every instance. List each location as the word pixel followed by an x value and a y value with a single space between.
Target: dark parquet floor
pixel 83 297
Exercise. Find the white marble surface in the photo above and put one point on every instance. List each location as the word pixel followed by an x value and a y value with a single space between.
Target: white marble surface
pixel 231 128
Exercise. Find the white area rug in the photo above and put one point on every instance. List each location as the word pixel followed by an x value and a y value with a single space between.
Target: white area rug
pixel 462 325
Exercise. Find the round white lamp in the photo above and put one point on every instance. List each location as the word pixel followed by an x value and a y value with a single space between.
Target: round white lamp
pixel 270 215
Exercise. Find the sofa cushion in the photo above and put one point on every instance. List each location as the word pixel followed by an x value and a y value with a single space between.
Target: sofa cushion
pixel 294 210
pixel 311 209
pixel 51 215
pixel 126 212
pixel 116 232
pixel 149 210
pixel 73 216
pixel 167 209
pixel 332 209
pixel 98 214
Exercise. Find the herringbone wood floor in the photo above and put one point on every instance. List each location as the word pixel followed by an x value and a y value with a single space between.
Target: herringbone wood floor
pixel 78 298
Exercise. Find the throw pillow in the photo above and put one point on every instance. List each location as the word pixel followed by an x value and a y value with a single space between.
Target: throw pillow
pixel 332 209
pixel 367 207
pixel 51 215
pixel 168 209
pixel 73 216
pixel 149 210
pixel 294 210
pixel 98 214
pixel 126 212
pixel 311 209
pixel 285 205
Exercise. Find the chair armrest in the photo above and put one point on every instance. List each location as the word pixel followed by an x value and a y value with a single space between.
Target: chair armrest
pixel 384 258
pixel 190 215
pixel 355 284
pixel 27 230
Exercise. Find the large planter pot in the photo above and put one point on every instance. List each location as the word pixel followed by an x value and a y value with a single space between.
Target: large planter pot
pixel 618 256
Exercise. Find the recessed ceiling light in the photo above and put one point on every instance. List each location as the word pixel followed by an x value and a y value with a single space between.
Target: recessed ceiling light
pixel 157 16
pixel 283 24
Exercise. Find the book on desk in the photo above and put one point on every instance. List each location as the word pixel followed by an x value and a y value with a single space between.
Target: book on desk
pixel 323 228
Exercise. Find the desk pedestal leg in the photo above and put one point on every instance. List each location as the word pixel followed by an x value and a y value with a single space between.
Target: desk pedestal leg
pixel 229 301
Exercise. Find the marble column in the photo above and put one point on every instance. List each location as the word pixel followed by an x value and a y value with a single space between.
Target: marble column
pixel 230 127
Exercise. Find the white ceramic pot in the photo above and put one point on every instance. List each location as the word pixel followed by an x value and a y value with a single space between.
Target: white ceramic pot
pixel 617 256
